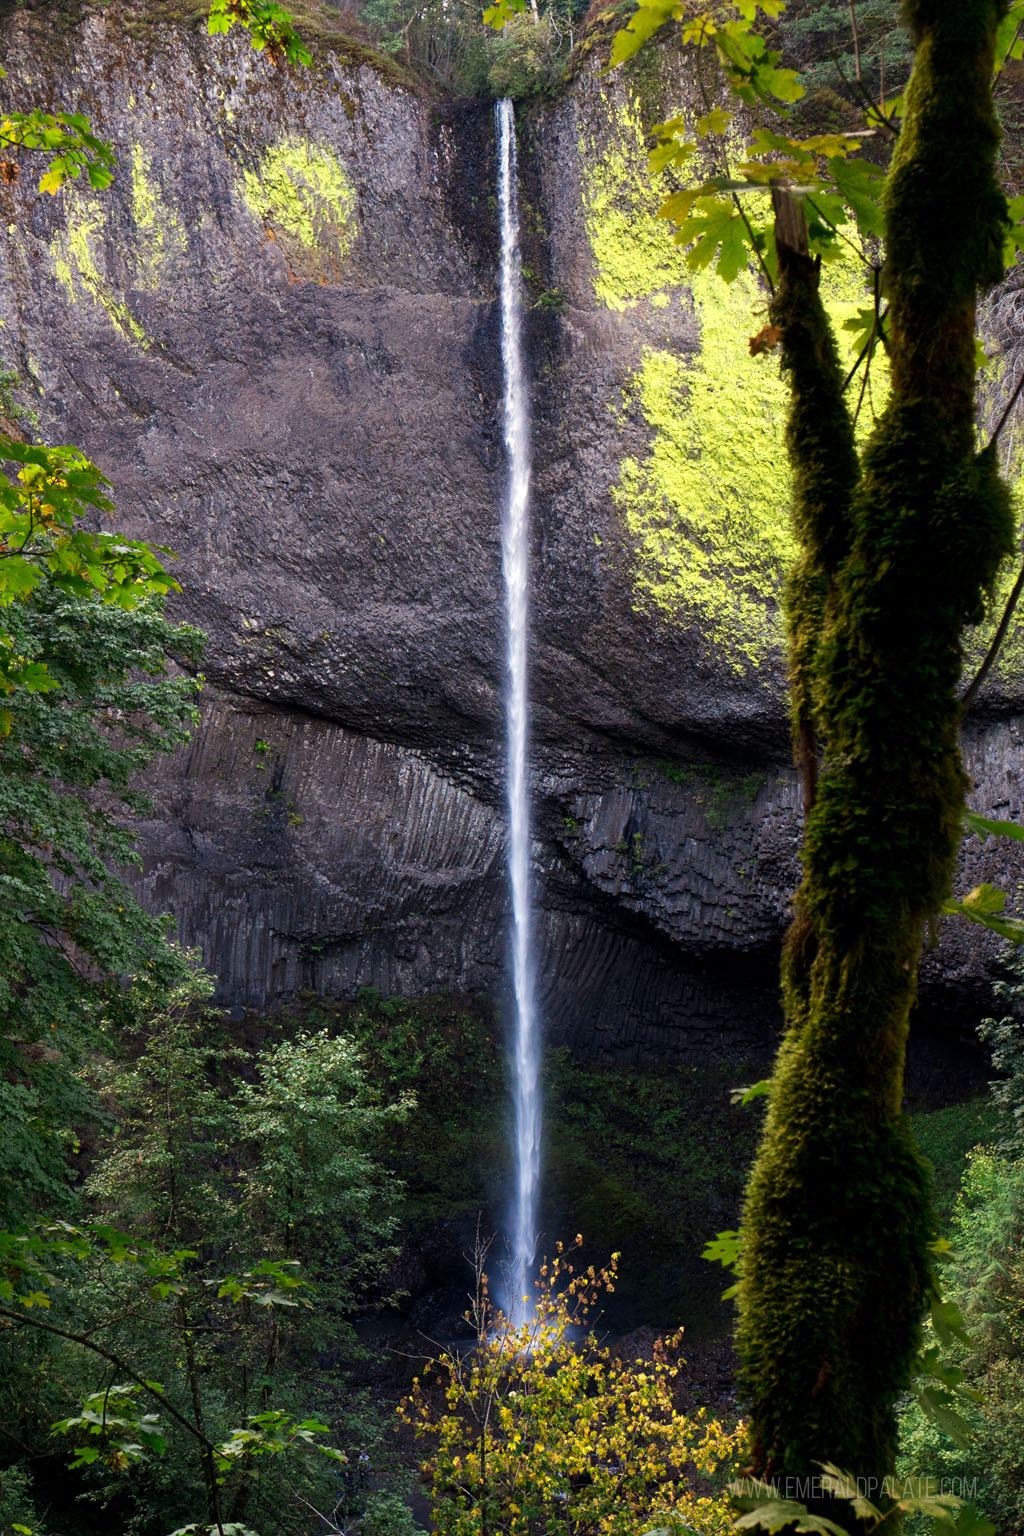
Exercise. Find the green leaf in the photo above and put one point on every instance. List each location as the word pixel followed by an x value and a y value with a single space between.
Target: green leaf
pixel 982 826
pixel 495 16
pixel 718 236
pixel 724 1248
pixel 786 85
pixel 985 905
pixel 644 22
pixel 861 327
pixel 716 121
pixel 947 1320
pixel 759 1090
pixel 35 1299
pixel 935 1404
pixel 84 1456
pixel 783 1513
pixel 985 899
pixel 679 205
pixel 860 185
pixel 669 151
pixel 18 576
pixel 843 1485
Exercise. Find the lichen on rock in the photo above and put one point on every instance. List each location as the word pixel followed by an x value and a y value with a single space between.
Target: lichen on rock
pixel 634 254
pixel 708 506
pixel 303 196
pixel 76 268
pixel 161 238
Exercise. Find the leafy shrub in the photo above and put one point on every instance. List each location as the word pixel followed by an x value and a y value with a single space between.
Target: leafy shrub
pixel 986 1279
pixel 522 57
pixel 17 1508
pixel 945 1137
pixel 71 931
pixel 446 1051
pixel 1005 1038
pixel 388 1514
pixel 245 1165
pixel 544 1428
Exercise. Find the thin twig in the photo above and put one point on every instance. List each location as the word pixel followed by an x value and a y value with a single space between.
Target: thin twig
pixel 971 693
pixel 857 250
pixel 756 248
pixel 863 387
pixel 872 110
pixel 1001 423
pixel 106 1354
pixel 856 36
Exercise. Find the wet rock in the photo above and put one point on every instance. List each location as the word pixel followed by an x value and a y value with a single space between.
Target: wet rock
pixel 277 335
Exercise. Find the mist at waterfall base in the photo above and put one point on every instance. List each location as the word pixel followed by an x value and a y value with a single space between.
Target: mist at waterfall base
pixel 515 539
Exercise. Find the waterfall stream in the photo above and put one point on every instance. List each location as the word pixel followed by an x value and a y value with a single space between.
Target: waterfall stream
pixel 516 562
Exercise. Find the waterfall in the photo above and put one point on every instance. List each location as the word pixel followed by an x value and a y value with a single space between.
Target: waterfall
pixel 515 541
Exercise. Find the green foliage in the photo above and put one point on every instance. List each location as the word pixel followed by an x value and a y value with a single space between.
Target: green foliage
pixel 63 1281
pixel 543 1428
pixel 523 58
pixel 1005 1039
pixel 269 26
pixel 388 1514
pixel 839 188
pixel 19 1514
pixel 985 905
pixel 446 1052
pixel 114 1419
pixel 818 34
pixel 43 544
pixel 67 138
pixel 986 1277
pixel 72 932
pixel 231 1155
pixel 306 1132
pixel 648 1161
pixel 945 1137
pixel 948 1515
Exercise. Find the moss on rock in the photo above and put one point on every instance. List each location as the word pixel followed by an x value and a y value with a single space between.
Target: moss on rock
pixel 302 195
pixel 634 255
pixel 707 507
pixel 77 270
pixel 160 236
pixel 712 543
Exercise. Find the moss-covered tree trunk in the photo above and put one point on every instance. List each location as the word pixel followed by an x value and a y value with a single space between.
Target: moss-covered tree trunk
pixel 898 552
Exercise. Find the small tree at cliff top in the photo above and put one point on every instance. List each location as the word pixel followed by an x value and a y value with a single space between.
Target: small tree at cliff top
pixel 900 544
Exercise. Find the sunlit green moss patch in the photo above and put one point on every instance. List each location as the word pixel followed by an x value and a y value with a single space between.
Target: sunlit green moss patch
pixel 302 195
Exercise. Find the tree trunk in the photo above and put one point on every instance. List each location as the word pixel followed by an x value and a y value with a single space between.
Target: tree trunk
pixel 897 554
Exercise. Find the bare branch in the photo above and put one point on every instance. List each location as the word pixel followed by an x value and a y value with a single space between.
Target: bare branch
pixel 971 693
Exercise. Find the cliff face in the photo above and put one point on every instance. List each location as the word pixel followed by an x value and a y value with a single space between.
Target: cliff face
pixel 277 335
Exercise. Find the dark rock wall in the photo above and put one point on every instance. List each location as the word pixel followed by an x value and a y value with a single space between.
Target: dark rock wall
pixel 277 335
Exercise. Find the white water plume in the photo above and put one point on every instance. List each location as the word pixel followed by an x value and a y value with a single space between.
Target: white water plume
pixel 515 538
